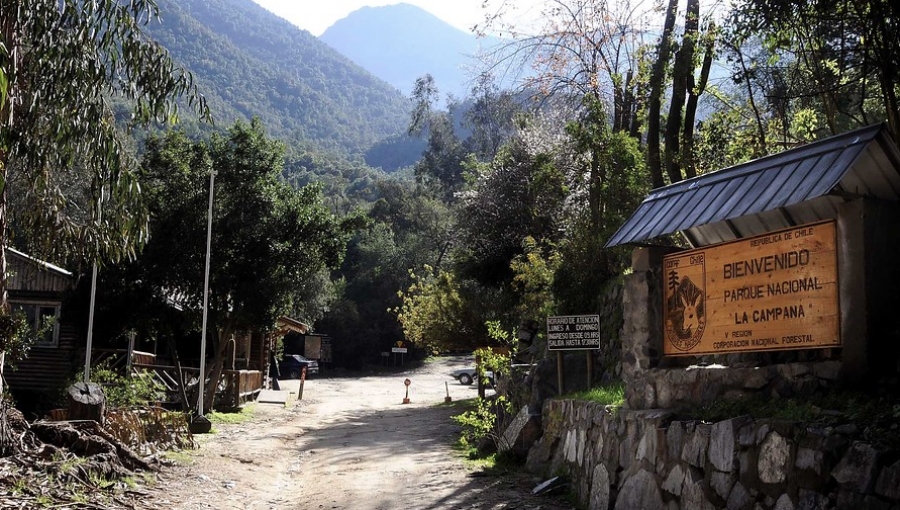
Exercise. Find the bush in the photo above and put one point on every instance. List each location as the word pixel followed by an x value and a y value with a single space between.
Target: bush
pixel 126 391
pixel 481 423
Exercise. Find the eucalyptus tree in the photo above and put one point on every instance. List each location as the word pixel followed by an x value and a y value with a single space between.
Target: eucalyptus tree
pixel 836 58
pixel 603 51
pixel 443 161
pixel 62 64
pixel 270 241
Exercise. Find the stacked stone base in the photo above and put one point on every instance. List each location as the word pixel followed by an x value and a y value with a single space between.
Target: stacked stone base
pixel 645 460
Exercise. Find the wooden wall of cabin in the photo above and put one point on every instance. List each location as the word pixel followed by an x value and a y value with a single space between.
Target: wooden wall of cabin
pixel 260 347
pixel 37 383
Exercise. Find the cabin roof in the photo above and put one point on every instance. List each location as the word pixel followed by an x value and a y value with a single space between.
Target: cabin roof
pixel 40 263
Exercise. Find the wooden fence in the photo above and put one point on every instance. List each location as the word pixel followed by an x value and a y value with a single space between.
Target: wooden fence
pixel 236 387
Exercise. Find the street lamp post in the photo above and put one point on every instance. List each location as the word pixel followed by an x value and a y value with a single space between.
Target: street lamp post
pixel 90 330
pixel 202 382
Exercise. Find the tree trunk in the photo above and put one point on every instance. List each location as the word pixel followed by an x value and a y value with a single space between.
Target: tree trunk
pixel 620 112
pixel 657 79
pixel 4 292
pixel 628 106
pixel 9 36
pixel 690 112
pixel 682 82
pixel 186 404
pixel 216 367
pixel 760 148
pixel 86 402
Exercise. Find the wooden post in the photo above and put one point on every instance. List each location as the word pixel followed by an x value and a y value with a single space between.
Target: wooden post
pixel 302 382
pixel 130 358
pixel 560 380
pixel 480 380
pixel 590 369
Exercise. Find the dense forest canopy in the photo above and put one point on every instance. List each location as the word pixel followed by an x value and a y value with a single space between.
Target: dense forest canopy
pixel 503 218
pixel 250 63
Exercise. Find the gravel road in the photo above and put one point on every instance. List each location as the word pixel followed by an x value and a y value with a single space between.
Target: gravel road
pixel 349 444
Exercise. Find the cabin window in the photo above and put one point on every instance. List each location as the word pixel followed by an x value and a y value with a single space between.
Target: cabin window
pixel 38 314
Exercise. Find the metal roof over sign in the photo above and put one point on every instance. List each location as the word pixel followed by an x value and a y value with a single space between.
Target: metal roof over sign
pixel 795 187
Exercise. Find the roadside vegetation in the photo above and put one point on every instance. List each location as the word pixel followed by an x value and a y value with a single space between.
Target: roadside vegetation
pixel 242 415
pixel 610 395
pixel 500 223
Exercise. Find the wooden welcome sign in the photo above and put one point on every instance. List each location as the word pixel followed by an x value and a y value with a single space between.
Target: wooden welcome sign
pixel 771 292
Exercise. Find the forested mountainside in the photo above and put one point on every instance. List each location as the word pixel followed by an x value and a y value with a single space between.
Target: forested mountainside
pixel 399 43
pixel 249 62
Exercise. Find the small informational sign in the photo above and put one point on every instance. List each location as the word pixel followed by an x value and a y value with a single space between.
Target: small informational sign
pixel 573 332
pixel 401 350
pixel 313 347
pixel 776 291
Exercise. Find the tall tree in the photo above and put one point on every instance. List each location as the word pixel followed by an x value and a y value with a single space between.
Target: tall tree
pixel 677 158
pixel 268 238
pixel 60 62
pixel 443 161
pixel 491 118
pixel 839 58
pixel 580 48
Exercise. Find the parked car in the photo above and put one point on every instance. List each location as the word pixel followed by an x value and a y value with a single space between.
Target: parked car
pixel 469 375
pixel 292 365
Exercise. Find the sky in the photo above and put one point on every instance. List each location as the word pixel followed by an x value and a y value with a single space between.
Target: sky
pixel 317 15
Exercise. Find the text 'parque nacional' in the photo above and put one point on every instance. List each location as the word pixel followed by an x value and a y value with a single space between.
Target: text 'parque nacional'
pixel 771 292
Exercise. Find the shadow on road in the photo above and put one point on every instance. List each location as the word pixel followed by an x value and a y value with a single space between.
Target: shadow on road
pixel 403 457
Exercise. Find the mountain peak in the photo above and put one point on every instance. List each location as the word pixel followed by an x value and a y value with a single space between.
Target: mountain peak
pixel 250 62
pixel 400 43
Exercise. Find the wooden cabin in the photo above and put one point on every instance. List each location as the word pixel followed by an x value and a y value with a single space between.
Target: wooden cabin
pixel 37 288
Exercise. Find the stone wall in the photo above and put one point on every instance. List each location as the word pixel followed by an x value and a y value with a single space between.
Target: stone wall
pixel 645 460
pixel 697 385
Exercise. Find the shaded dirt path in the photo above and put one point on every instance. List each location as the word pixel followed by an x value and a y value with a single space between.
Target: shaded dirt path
pixel 349 444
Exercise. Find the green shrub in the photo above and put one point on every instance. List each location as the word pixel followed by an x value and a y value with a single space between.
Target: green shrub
pixel 126 391
pixel 481 422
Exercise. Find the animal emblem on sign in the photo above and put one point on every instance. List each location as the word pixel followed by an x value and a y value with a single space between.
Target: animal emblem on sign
pixel 686 318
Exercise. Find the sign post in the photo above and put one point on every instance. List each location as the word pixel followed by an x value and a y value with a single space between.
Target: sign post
pixel 573 333
pixel 406 382
pixel 399 349
pixel 776 291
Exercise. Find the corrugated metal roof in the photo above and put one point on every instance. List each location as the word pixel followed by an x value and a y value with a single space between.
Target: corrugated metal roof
pixel 29 274
pixel 44 265
pixel 793 187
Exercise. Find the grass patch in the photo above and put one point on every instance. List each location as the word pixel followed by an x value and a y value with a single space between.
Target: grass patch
pixel 466 404
pixel 491 463
pixel 472 456
pixel 177 457
pixel 243 415
pixel 610 395
pixel 759 407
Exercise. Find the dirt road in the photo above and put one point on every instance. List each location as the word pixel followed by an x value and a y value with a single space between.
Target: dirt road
pixel 349 444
